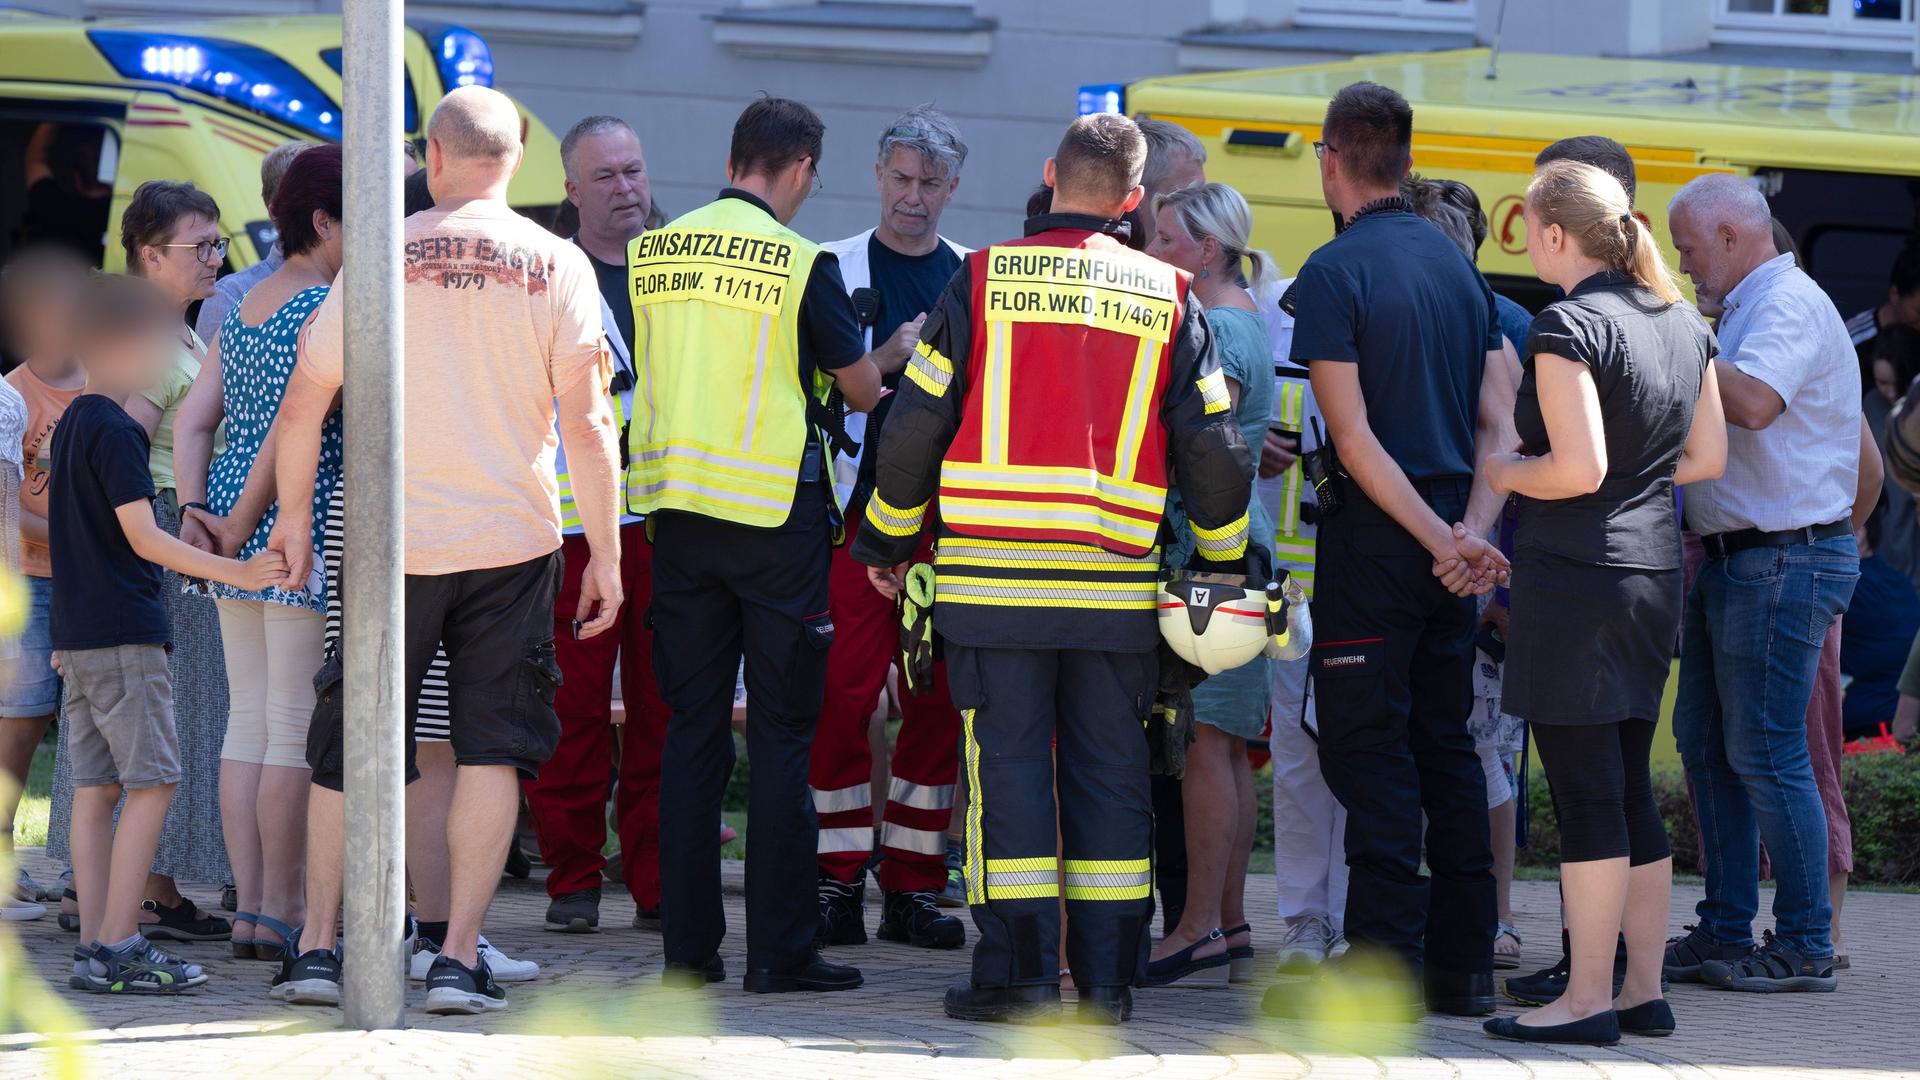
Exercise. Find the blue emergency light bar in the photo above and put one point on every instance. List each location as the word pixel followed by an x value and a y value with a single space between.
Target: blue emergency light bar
pixel 1103 98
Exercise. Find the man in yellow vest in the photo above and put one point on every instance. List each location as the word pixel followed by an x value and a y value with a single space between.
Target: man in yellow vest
pixel 741 327
pixel 1062 383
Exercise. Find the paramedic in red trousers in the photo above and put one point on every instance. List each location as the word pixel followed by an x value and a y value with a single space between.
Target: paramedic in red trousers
pixel 895 273
pixel 607 181
pixel 1049 432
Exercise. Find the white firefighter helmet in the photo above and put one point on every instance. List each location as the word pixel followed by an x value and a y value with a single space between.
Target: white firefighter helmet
pixel 1214 622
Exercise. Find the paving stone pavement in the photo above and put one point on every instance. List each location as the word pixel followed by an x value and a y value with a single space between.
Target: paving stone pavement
pixel 598 1010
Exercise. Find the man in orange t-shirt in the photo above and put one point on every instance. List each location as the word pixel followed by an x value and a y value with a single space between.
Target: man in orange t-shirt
pixel 502 332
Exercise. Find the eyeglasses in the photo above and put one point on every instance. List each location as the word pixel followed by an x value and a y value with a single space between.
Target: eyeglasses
pixel 1321 149
pixel 205 250
pixel 817 185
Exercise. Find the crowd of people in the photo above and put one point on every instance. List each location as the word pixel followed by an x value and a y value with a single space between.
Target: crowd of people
pixel 707 454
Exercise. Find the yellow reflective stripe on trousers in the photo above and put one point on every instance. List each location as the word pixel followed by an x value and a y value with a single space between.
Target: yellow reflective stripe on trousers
pixel 1108 879
pixel 975 873
pixel 1133 423
pixel 892 520
pixel 930 371
pixel 1023 879
pixel 1226 542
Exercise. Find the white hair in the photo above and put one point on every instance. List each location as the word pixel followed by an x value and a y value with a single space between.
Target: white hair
pixel 929 132
pixel 1723 199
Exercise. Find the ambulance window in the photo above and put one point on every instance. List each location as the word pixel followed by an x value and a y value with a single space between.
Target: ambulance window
pixel 56 182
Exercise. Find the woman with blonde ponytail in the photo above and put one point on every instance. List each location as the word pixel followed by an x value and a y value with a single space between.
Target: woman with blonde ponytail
pixel 1618 405
pixel 1206 231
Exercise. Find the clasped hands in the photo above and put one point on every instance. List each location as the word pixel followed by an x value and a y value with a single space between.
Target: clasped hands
pixel 1470 566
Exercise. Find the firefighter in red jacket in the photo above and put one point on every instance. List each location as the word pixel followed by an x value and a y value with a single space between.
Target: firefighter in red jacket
pixel 1060 382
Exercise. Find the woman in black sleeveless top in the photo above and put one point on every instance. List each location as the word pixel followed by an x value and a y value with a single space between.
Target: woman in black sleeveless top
pixel 1617 406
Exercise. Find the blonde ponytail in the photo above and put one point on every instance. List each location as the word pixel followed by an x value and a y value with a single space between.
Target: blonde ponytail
pixel 1646 265
pixel 1592 207
pixel 1261 270
pixel 1219 211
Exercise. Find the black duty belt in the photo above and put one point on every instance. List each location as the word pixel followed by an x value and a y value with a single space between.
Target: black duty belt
pixel 1721 545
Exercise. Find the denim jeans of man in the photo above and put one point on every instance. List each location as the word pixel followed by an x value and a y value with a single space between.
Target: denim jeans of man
pixel 1754 625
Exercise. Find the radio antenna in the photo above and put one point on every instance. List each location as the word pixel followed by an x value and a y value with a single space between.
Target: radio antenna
pixel 1493 54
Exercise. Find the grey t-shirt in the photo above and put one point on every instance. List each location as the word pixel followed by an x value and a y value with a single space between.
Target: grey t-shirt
pixel 1647 358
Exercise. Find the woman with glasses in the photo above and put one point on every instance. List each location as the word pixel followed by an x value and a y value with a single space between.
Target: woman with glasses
pixel 272 638
pixel 171 233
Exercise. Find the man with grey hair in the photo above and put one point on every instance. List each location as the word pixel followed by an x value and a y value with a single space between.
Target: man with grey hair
pixel 230 290
pixel 606 177
pixel 895 273
pixel 1175 158
pixel 1781 565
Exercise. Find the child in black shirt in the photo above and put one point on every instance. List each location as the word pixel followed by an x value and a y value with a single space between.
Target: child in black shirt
pixel 110 634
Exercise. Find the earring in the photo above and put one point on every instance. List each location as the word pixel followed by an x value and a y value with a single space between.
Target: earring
pixel 1206 273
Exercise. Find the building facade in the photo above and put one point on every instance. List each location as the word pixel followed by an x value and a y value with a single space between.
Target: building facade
pixel 1007 70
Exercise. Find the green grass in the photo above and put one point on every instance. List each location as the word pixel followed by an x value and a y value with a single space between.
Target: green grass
pixel 30 821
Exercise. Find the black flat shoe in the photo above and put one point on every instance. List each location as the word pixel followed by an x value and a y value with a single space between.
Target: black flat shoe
pixel 817 973
pixel 1647 1018
pixel 1600 1029
pixel 1105 1005
pixel 693 976
pixel 1004 1004
pixel 1188 970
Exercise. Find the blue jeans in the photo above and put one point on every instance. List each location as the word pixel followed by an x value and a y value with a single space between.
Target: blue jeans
pixel 1754 625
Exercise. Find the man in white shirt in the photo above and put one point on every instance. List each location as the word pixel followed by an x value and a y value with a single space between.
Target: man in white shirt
pixel 1781 566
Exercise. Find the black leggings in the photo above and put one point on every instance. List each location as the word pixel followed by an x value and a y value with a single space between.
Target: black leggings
pixel 1602 792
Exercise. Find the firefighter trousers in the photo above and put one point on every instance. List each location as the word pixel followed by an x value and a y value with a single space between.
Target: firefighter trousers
pixel 721 591
pixel 1392 673
pixel 926 757
pixel 1036 721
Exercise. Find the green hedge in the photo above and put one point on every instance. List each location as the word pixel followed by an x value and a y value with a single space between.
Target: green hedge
pixel 1883 798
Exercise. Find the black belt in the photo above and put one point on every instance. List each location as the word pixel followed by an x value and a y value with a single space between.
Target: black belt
pixel 1721 545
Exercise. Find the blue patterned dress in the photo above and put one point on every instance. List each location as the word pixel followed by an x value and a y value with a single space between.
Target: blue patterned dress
pixel 255 363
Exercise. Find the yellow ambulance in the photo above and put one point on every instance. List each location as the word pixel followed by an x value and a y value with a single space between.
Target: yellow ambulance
pixel 100 106
pixel 1836 152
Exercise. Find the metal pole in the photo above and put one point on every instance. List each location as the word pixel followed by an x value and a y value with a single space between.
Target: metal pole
pixel 375 887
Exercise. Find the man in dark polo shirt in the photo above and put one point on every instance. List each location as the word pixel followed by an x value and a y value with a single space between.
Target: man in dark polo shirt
pixel 1398 329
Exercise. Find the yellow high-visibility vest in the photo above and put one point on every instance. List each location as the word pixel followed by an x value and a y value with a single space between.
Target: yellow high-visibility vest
pixel 720 420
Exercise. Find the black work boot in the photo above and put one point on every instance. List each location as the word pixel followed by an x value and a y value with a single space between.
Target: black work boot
pixel 1105 1005
pixel 1004 1004
pixel 843 918
pixel 916 918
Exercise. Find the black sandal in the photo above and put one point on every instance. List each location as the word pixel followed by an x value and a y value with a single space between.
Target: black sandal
pixel 1239 957
pixel 69 923
pixel 183 922
pixel 1189 970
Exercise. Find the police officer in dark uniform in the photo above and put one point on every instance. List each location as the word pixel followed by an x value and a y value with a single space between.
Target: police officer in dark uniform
pixel 1061 383
pixel 742 328
pixel 1398 329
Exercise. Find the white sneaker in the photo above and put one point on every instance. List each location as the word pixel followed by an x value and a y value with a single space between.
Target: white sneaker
pixel 12 910
pixel 505 968
pixel 1307 944
pixel 1338 947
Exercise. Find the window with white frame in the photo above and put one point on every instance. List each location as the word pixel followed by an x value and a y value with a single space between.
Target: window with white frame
pixel 1399 14
pixel 1880 25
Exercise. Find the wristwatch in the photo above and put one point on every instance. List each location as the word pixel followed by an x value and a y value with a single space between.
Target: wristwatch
pixel 200 506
